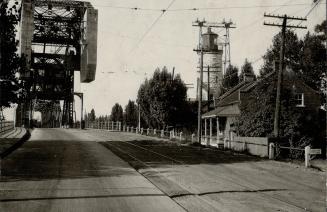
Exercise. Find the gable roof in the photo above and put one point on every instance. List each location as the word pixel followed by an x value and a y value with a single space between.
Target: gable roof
pixel 225 111
pixel 231 96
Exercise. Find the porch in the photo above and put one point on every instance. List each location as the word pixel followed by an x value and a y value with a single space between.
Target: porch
pixel 219 125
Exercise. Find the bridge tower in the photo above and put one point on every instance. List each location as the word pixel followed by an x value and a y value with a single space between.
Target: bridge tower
pixel 57 38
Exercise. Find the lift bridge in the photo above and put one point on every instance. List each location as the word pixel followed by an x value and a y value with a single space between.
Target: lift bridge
pixel 57 37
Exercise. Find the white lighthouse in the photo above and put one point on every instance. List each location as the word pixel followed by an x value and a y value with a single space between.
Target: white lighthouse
pixel 212 65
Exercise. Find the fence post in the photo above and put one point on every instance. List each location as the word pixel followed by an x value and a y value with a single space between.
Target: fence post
pixel 307 156
pixel 180 136
pixel 244 146
pixel 225 143
pixel 271 151
pixel 155 132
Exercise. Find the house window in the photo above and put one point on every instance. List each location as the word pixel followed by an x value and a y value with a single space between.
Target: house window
pixel 299 99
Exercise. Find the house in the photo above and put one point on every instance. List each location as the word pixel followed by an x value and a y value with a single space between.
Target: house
pixel 223 120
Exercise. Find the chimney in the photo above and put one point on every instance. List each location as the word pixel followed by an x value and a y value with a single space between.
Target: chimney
pixel 248 77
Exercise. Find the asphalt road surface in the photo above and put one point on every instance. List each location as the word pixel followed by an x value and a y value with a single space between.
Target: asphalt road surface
pixel 66 170
pixel 73 170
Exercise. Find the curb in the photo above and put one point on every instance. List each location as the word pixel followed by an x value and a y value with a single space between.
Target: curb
pixel 15 146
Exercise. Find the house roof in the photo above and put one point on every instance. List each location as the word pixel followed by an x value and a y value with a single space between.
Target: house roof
pixel 225 111
pixel 240 87
pixel 228 103
pixel 231 96
pixel 257 81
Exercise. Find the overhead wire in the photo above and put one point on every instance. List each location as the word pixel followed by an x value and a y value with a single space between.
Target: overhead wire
pixel 167 9
pixel 200 8
pixel 152 25
pixel 307 14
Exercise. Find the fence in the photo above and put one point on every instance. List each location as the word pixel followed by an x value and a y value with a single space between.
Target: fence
pixel 6 126
pixel 258 146
pixel 105 125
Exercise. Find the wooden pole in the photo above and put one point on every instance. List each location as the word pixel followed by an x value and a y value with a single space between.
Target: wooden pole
pixel 279 80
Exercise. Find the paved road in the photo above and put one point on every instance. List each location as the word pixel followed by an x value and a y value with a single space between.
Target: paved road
pixel 213 180
pixel 73 170
pixel 67 170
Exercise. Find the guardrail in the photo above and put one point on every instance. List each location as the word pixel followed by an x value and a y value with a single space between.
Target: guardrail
pixel 6 126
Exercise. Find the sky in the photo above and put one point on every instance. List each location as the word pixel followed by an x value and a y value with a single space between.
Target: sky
pixel 132 46
pixel 128 48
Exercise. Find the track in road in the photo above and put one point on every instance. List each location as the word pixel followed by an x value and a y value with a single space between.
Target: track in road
pixel 252 188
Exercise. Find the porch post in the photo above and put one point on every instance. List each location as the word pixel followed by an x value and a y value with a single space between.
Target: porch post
pixel 217 122
pixel 205 130
pixel 209 140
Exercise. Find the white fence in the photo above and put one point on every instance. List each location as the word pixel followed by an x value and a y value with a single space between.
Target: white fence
pixel 259 146
pixel 105 125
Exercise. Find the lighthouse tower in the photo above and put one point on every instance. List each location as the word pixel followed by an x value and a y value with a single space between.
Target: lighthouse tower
pixel 212 65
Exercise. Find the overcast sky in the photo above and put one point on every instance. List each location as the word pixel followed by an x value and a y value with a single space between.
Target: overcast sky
pixel 171 41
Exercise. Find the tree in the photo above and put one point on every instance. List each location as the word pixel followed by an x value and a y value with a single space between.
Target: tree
pixel 92 115
pixel 257 115
pixel 131 114
pixel 313 60
pixel 230 78
pixel 292 49
pixel 116 113
pixel 162 100
pixel 307 57
pixel 10 62
pixel 246 69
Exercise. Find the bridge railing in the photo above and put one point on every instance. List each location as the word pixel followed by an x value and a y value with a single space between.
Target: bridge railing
pixel 6 126
pixel 105 125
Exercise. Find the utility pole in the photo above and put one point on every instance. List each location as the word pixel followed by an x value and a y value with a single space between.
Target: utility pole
pixel 227 25
pixel 139 117
pixel 281 63
pixel 172 77
pixel 227 60
pixel 208 87
pixel 200 24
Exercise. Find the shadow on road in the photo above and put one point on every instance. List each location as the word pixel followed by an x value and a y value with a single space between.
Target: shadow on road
pixel 56 159
pixel 143 153
pixel 80 197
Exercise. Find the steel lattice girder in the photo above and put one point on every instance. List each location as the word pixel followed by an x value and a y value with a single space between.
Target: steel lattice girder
pixel 57 39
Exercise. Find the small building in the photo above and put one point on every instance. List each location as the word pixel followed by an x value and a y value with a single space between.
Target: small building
pixel 222 122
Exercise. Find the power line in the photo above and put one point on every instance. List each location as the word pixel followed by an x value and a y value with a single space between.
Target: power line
pixel 152 25
pixel 307 14
pixel 200 8
pixel 261 18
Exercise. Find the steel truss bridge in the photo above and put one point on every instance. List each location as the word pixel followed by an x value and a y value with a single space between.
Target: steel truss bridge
pixel 57 37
